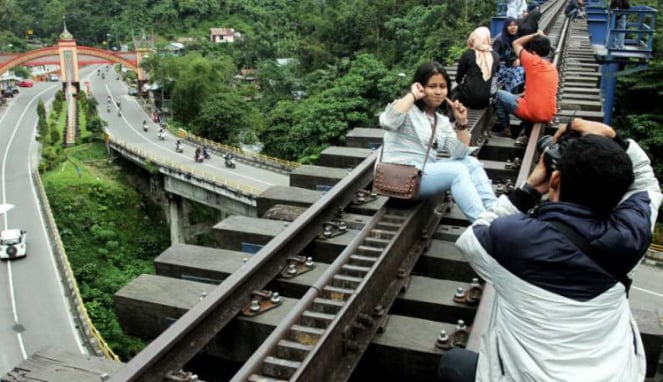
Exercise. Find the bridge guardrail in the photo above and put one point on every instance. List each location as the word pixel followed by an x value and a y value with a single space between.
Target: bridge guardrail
pixel 260 158
pixel 161 161
pixel 266 160
pixel 93 339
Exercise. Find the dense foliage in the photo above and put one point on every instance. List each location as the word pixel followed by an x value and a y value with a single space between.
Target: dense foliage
pixel 93 206
pixel 343 57
pixel 343 60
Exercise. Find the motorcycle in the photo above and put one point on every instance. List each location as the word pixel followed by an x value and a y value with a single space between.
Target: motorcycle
pixel 119 113
pixel 205 153
pixel 103 76
pixel 199 158
pixel 108 109
pixel 179 149
pixel 162 136
pixel 230 162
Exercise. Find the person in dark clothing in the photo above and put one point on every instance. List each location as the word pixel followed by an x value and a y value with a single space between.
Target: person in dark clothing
pixel 560 313
pixel 617 38
pixel 477 69
pixel 530 23
pixel 510 75
pixel 571 9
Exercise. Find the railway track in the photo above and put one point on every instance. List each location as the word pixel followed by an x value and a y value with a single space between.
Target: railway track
pixel 362 292
pixel 350 286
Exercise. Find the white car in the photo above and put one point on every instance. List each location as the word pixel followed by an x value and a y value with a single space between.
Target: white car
pixel 13 244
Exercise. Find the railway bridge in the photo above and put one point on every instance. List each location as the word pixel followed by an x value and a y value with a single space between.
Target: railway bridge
pixel 346 285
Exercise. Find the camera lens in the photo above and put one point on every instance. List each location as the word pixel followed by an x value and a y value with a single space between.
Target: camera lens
pixel 544 142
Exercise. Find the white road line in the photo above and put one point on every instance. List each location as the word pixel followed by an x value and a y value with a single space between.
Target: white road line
pixel 10 279
pixel 647 291
pixel 156 144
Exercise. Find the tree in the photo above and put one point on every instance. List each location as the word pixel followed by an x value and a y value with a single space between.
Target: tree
pixel 197 79
pixel 42 122
pixel 225 117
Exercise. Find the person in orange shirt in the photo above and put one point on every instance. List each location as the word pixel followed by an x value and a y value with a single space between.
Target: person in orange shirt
pixel 539 103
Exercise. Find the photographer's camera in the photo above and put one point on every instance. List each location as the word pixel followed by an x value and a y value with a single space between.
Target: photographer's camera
pixel 554 151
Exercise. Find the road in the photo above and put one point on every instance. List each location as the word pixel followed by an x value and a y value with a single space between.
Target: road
pixel 129 128
pixel 33 309
pixel 34 312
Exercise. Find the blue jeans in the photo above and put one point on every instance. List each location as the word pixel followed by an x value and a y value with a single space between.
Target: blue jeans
pixel 618 37
pixel 458 365
pixel 467 180
pixel 505 104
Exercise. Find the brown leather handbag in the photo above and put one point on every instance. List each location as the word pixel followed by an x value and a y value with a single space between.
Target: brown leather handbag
pixel 400 181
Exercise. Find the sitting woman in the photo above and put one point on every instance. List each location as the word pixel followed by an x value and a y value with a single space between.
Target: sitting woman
pixel 510 75
pixel 410 122
pixel 476 75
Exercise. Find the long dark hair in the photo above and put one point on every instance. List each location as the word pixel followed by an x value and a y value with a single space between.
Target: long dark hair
pixel 423 73
pixel 505 37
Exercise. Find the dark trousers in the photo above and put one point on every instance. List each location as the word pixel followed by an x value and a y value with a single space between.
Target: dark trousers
pixel 458 365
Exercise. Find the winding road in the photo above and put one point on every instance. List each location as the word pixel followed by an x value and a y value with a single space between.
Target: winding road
pixel 34 312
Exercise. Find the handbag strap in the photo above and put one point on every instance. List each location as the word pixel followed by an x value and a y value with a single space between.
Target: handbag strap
pixel 592 253
pixel 433 126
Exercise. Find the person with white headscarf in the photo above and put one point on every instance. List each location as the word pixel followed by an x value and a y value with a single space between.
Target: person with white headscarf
pixel 477 69
pixel 516 8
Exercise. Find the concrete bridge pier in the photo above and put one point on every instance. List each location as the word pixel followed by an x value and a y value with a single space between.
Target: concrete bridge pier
pixel 176 214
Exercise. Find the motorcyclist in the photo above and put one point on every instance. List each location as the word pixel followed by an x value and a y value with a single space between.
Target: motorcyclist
pixel 98 72
pixel 108 108
pixel 108 99
pixel 178 146
pixel 162 133
pixel 144 125
pixel 229 160
pixel 205 152
pixel 118 102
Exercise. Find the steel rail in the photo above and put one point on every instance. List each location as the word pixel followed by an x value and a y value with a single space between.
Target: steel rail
pixel 191 333
pixel 483 314
pixel 351 326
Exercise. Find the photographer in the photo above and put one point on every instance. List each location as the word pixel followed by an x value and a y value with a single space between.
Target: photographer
pixel 562 312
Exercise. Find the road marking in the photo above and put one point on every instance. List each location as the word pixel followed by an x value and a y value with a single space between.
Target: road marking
pixel 158 145
pixel 647 291
pixel 10 279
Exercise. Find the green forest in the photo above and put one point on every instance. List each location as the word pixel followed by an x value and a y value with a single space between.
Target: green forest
pixel 340 61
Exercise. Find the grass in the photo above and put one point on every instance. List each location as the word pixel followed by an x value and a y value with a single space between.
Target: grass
pixel 94 204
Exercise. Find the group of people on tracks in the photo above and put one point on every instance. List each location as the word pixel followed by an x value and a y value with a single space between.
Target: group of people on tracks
pixel 560 248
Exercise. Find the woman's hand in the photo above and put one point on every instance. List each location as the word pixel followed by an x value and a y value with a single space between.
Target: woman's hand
pixel 460 111
pixel 417 91
pixel 516 62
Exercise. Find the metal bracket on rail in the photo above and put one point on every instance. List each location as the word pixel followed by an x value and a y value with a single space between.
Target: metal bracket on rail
pixel 261 301
pixel 504 188
pixel 457 339
pixel 332 229
pixel 180 376
pixel 297 265
pixel 515 164
pixel 363 197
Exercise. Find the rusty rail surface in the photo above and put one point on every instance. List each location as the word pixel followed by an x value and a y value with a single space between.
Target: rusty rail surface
pixel 190 334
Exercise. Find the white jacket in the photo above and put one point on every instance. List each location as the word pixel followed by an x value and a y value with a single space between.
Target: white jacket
pixel 557 315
